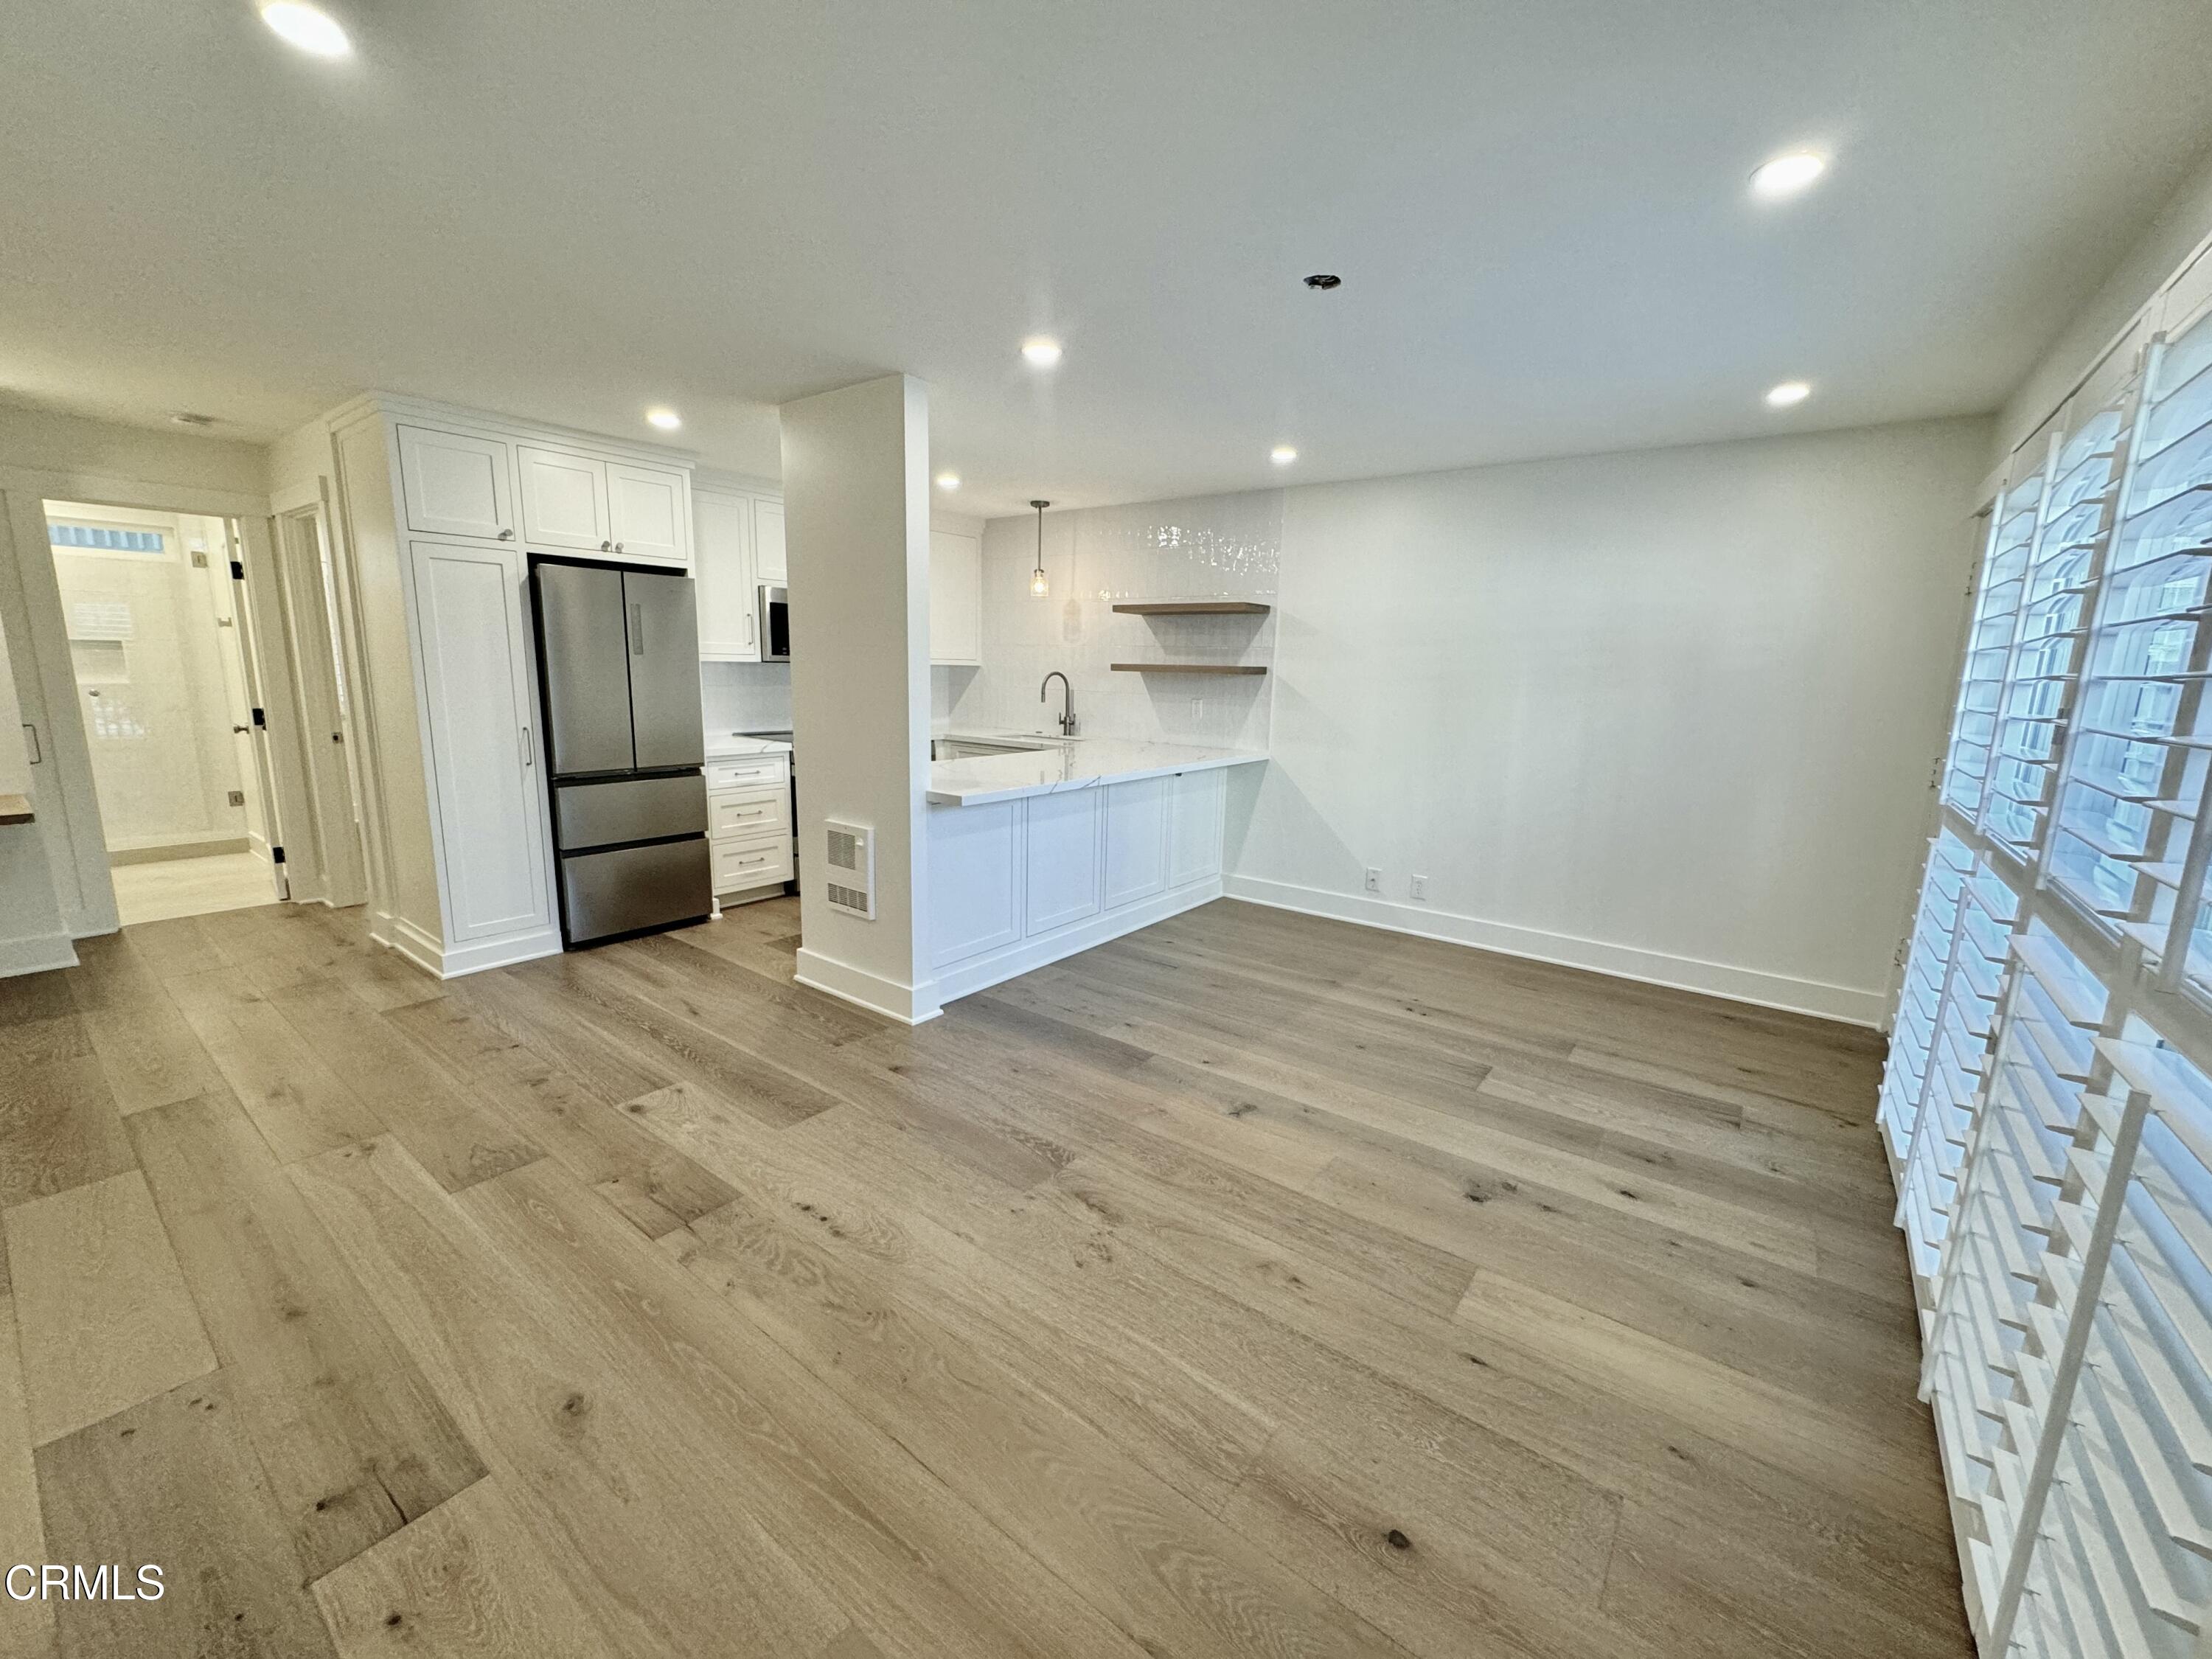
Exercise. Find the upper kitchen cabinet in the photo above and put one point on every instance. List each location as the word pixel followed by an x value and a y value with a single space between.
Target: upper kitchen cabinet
pixel 649 511
pixel 564 501
pixel 955 599
pixel 729 622
pixel 456 485
pixel 768 564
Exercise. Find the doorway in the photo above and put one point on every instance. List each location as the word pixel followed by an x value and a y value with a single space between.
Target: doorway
pixel 164 666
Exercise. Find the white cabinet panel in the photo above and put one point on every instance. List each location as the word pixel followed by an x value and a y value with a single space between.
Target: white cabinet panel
pixel 955 599
pixel 1136 840
pixel 728 625
pixel 455 485
pixel 769 563
pixel 564 501
pixel 475 650
pixel 975 880
pixel 1195 825
pixel 646 513
pixel 1061 859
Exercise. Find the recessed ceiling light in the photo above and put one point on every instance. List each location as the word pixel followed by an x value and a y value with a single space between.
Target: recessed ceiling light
pixel 309 28
pixel 1282 454
pixel 666 419
pixel 1789 393
pixel 1041 351
pixel 948 482
pixel 1786 175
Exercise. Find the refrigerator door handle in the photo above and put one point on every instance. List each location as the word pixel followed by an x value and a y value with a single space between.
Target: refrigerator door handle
pixel 636 630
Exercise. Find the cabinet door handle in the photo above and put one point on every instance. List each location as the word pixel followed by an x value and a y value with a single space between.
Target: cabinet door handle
pixel 528 751
pixel 606 547
pixel 31 737
pixel 637 630
pixel 507 535
pixel 749 628
pixel 618 547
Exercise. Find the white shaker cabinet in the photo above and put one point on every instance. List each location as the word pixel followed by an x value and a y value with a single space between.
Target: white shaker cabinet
pixel 768 564
pixel 729 623
pixel 648 514
pixel 564 501
pixel 955 599
pixel 456 483
pixel 474 638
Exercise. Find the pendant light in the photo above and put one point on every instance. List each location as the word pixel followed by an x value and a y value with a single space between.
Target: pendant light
pixel 1038 586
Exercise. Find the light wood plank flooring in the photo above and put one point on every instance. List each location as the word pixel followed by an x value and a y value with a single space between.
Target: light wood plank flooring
pixel 166 888
pixel 1250 1286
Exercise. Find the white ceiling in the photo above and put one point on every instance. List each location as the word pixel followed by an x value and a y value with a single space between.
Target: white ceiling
pixel 571 208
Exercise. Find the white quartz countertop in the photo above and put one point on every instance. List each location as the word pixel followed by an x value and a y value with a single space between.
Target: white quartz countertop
pixel 726 745
pixel 1086 764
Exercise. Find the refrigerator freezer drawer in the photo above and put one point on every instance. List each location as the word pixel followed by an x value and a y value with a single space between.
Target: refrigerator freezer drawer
pixel 635 887
pixel 586 815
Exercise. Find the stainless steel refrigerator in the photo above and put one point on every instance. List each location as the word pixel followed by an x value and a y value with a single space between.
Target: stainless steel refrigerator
pixel 618 665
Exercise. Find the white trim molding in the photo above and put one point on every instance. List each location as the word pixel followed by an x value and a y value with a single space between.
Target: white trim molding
pixel 1853 1005
pixel 962 979
pixel 909 1005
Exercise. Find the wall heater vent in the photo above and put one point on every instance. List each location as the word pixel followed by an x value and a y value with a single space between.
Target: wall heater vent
pixel 852 864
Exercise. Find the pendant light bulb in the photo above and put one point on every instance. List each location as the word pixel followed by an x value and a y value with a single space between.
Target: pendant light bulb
pixel 1039 586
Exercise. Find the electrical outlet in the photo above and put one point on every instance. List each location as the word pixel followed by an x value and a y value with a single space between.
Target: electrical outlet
pixel 1374 880
pixel 238 798
pixel 1421 887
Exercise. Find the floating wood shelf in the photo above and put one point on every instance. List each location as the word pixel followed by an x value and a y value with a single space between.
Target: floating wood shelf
pixel 1192 608
pixel 15 808
pixel 1187 668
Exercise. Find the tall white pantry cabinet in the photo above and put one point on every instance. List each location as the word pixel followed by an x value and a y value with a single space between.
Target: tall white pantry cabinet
pixel 439 509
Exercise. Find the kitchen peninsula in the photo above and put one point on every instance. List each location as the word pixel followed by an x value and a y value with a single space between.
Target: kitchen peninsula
pixel 1039 852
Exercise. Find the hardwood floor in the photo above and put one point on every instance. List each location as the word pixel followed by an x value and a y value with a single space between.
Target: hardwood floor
pixel 1251 1286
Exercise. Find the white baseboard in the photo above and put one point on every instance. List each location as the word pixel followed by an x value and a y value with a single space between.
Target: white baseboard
pixel 451 961
pixel 909 1005
pixel 1846 1003
pixel 961 978
pixel 36 953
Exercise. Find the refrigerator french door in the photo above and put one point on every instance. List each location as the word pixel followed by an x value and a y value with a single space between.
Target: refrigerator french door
pixel 619 663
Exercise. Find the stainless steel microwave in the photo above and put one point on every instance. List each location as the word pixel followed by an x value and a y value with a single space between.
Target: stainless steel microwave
pixel 775 623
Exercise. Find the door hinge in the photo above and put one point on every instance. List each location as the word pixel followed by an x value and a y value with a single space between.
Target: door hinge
pixel 259 717
pixel 238 570
pixel 276 854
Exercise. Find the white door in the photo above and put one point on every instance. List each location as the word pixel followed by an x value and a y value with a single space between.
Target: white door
pixel 955 599
pixel 564 501
pixel 768 564
pixel 484 749
pixel 645 509
pixel 1194 826
pixel 729 627
pixel 455 485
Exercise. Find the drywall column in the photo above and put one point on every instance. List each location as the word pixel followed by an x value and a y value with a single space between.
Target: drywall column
pixel 856 525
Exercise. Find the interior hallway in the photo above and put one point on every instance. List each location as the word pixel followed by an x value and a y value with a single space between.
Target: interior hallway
pixel 1254 1284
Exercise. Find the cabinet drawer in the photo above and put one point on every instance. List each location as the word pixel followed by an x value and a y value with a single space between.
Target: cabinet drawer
pixel 751 863
pixel 741 811
pixel 751 769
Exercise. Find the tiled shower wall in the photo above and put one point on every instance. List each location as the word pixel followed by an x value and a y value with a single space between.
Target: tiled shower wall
pixel 1215 547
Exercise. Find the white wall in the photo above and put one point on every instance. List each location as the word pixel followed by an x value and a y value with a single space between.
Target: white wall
pixel 1210 547
pixel 856 518
pixel 2182 225
pixel 1668 714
